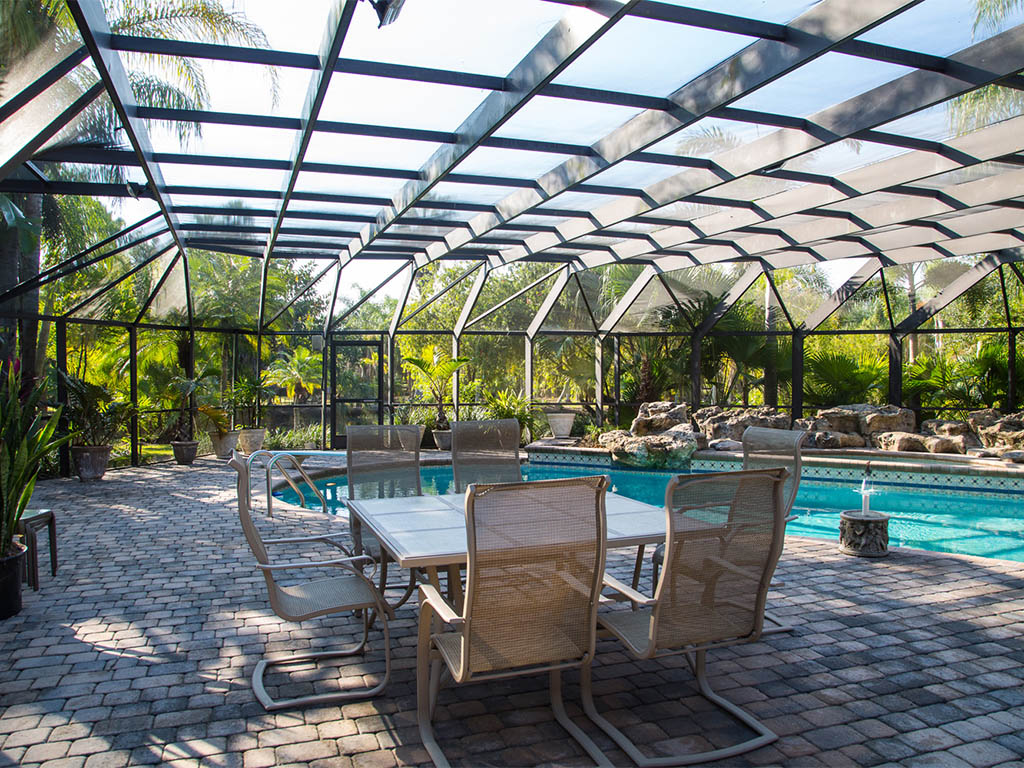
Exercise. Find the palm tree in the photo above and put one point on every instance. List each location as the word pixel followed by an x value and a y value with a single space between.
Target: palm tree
pixel 298 374
pixel 172 81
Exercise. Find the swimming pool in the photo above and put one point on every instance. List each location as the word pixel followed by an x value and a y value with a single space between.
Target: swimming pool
pixel 961 522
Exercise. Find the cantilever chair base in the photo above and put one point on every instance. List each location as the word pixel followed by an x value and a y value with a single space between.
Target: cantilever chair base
pixel 765 736
pixel 271 704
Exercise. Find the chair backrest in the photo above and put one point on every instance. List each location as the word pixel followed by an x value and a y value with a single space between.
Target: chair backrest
pixel 715 578
pixel 382 461
pixel 533 581
pixel 764 448
pixel 485 452
pixel 252 534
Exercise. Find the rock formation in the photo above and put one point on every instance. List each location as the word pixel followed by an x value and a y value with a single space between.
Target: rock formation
pixel 670 449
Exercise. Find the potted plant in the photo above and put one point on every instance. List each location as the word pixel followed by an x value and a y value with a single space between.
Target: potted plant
pixel 97 418
pixel 433 372
pixel 252 395
pixel 26 437
pixel 302 439
pixel 222 436
pixel 183 444
pixel 561 422
pixel 509 404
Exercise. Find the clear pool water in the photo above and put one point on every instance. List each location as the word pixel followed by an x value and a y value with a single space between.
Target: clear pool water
pixel 964 523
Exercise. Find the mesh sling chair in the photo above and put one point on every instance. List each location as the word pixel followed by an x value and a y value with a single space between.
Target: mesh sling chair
pixel 382 462
pixel 485 452
pixel 724 537
pixel 762 448
pixel 536 560
pixel 350 591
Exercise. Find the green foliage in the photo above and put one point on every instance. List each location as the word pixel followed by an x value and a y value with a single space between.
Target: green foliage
pixel 27 436
pixel 11 217
pixel 293 439
pixel 217 417
pixel 252 394
pixel 433 373
pixel 510 404
pixel 834 378
pixel 94 413
pixel 297 372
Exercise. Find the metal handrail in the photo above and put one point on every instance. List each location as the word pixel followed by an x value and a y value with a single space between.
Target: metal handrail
pixel 275 457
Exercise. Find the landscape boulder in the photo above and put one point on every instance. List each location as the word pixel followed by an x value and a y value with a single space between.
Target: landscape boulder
pixel 829 439
pixel 986 417
pixel 942 444
pixel 659 416
pixel 1007 433
pixel 899 441
pixel 717 423
pixel 724 444
pixel 866 419
pixel 671 449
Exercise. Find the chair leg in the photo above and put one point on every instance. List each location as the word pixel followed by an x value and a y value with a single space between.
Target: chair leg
pixel 558 707
pixel 53 544
pixel 763 738
pixel 777 625
pixel 426 689
pixel 271 704
pixel 639 567
pixel 31 557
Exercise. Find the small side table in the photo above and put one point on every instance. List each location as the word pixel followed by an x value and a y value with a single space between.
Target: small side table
pixel 31 522
pixel 863 534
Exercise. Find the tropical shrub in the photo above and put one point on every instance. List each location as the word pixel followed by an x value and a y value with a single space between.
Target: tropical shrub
pixel 510 404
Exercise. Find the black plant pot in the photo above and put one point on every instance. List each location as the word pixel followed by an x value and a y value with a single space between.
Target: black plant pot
pixel 10 582
pixel 185 451
pixel 90 461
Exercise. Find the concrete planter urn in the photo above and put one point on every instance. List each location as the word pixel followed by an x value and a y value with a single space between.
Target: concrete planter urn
pixel 251 440
pixel 443 439
pixel 90 461
pixel 223 443
pixel 561 423
pixel 185 451
pixel 11 567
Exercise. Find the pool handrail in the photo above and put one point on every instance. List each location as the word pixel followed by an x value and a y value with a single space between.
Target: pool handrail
pixel 291 455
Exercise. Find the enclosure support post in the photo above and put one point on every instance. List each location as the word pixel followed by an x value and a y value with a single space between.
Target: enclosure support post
pixel 695 341
pixel 528 353
pixel 618 379
pixel 455 379
pixel 61 339
pixel 133 391
pixel 234 378
pixel 797 385
pixel 895 369
pixel 599 379
pixel 326 358
pixel 190 373
pixel 392 364
pixel 1011 368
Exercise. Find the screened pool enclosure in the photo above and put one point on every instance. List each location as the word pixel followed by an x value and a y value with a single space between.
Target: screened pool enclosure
pixel 597 202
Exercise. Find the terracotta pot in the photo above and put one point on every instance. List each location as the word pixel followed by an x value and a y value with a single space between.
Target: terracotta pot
pixel 251 440
pixel 90 461
pixel 185 451
pixel 223 444
pixel 561 423
pixel 11 567
pixel 443 439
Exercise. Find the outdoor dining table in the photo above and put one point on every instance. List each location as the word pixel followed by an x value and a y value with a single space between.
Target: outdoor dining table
pixel 429 532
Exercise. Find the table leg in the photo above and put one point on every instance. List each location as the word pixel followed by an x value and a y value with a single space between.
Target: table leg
pixel 455 586
pixel 53 544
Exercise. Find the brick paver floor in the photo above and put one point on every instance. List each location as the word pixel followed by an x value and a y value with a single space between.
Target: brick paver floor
pixel 140 651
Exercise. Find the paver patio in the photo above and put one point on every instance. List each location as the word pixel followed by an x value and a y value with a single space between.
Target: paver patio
pixel 141 649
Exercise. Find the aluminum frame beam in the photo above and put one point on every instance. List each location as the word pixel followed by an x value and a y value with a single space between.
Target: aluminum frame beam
pixel 870 109
pixel 564 43
pixel 810 35
pixel 956 289
pixel 841 295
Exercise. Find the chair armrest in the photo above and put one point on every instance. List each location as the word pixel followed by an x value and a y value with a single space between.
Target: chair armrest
pixel 789 518
pixel 441 607
pixel 627 591
pixel 344 562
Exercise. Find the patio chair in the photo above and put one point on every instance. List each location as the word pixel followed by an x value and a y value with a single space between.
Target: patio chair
pixel 724 536
pixel 349 591
pixel 382 462
pixel 536 558
pixel 485 452
pixel 762 448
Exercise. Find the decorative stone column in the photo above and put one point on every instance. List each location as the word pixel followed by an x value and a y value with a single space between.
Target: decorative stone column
pixel 863 534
